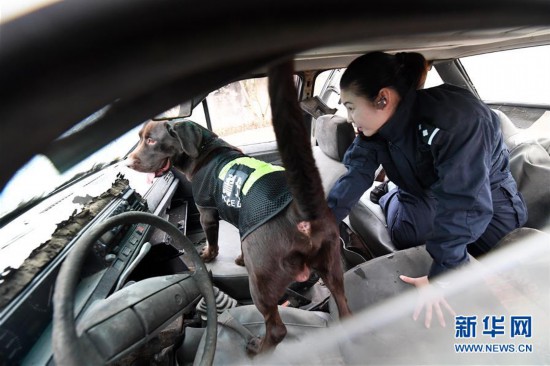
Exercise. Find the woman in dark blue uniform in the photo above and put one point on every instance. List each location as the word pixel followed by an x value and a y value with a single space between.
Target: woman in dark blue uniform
pixel 444 150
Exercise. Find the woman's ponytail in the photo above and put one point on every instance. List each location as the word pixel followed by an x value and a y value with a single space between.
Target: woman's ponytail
pixel 413 66
pixel 369 73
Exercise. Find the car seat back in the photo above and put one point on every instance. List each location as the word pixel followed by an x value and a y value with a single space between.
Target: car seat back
pixel 333 135
pixel 530 166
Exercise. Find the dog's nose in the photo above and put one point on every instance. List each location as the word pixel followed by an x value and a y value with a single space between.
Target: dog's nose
pixel 130 161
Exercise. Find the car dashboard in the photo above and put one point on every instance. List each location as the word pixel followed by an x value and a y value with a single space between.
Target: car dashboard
pixel 26 292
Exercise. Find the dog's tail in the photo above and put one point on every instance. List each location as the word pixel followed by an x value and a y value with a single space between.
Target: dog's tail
pixel 294 143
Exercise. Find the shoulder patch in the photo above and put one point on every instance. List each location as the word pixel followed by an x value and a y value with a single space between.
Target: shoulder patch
pixel 427 133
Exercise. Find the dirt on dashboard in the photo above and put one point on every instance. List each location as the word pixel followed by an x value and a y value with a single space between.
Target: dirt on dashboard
pixel 13 281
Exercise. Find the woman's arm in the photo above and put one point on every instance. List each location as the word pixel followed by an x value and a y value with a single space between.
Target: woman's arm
pixel 361 161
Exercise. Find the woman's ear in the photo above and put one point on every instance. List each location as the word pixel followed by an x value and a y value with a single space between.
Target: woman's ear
pixel 387 99
pixel 381 103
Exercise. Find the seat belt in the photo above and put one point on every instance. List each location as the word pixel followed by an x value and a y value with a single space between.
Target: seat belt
pixel 229 321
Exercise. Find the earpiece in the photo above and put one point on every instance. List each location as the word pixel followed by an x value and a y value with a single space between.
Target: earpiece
pixel 381 103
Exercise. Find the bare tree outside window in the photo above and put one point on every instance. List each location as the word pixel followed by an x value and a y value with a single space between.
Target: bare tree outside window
pixel 241 113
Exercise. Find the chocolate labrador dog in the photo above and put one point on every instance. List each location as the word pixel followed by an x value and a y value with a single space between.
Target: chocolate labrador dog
pixel 286 229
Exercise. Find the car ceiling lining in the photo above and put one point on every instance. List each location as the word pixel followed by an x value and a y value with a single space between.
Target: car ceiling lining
pixel 68 60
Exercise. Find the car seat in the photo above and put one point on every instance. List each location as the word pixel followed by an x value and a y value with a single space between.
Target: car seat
pixel 530 166
pixel 369 221
pixel 229 277
pixel 366 285
pixel 334 135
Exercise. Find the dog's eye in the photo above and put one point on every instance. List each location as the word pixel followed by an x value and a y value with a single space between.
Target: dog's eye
pixel 150 141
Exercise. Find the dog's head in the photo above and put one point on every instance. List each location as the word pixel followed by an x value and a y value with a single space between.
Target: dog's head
pixel 162 144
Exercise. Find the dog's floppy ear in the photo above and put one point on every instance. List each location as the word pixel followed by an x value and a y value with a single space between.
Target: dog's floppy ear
pixel 189 136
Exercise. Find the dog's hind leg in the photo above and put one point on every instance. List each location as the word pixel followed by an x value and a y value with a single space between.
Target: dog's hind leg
pixel 334 282
pixel 210 223
pixel 329 268
pixel 333 279
pixel 266 299
pixel 268 281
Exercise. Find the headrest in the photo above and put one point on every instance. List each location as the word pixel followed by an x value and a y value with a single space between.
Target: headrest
pixel 334 135
pixel 508 128
pixel 536 133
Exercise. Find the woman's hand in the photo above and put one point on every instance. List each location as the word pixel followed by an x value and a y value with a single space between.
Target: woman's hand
pixel 430 298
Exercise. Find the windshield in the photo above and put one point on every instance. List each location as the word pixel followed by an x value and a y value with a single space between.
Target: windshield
pixel 39 176
pixel 33 225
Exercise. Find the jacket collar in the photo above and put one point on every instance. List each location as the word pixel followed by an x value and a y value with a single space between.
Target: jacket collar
pixel 398 126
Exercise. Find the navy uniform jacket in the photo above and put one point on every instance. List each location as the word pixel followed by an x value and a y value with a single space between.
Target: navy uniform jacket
pixel 441 139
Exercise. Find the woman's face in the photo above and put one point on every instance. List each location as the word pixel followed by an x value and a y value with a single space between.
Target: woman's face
pixel 368 117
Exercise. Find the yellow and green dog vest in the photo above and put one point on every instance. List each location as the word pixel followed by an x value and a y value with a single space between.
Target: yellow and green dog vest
pixel 247 192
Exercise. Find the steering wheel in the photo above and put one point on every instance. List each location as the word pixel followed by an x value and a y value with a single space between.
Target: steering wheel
pixel 164 297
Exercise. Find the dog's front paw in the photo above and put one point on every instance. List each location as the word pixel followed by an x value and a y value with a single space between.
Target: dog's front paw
pixel 254 346
pixel 208 254
pixel 239 261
